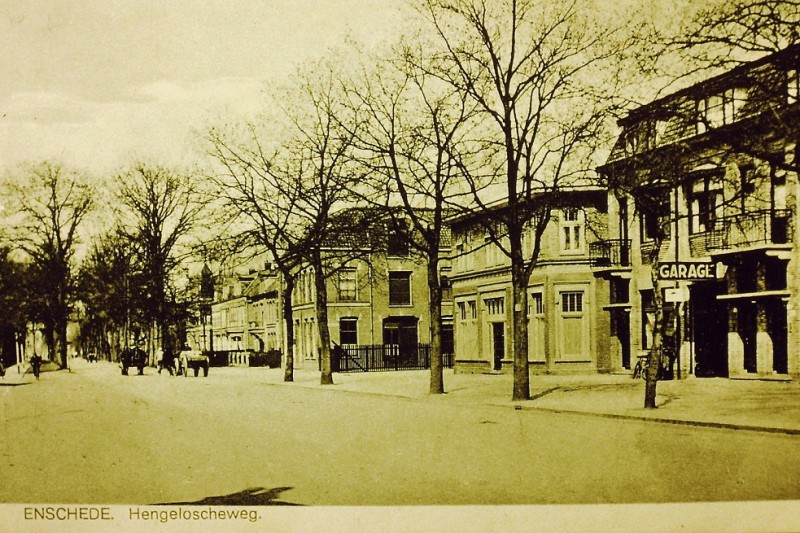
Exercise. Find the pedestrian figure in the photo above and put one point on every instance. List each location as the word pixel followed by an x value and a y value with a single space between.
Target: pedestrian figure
pixel 2 369
pixel 167 361
pixel 36 363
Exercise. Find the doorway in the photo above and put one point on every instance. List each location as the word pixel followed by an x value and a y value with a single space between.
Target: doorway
pixel 710 329
pixel 498 344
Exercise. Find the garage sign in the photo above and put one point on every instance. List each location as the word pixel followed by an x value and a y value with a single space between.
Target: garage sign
pixel 684 271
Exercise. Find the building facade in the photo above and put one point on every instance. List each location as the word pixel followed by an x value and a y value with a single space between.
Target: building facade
pixel 244 316
pixel 567 329
pixel 702 207
pixel 378 300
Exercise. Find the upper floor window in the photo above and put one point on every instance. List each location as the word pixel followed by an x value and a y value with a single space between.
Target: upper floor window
pixel 572 231
pixel 705 204
pixel 495 306
pixel 654 213
pixel 399 288
pixel 347 289
pixel 398 239
pixel 722 108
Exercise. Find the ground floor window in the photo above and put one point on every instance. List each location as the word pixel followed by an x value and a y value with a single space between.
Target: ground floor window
pixel 348 330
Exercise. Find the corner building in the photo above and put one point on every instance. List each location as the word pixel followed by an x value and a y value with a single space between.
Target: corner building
pixel 713 168
pixel 567 329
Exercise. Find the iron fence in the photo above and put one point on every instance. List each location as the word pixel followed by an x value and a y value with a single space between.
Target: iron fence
pixel 384 357
pixel 768 226
pixel 611 252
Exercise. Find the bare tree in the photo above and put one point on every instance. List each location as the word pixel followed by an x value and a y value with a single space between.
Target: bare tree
pixel 159 207
pixel 535 71
pixel 411 140
pixel 53 204
pixel 726 33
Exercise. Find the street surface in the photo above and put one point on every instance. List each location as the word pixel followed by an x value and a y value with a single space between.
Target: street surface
pixel 95 436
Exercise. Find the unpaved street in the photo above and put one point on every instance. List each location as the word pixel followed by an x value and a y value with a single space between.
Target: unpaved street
pixel 94 436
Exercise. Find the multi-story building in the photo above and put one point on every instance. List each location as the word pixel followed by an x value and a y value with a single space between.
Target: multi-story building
pixel 703 205
pixel 244 315
pixel 568 331
pixel 378 300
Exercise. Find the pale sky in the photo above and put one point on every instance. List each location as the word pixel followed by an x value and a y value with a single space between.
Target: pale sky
pixel 100 83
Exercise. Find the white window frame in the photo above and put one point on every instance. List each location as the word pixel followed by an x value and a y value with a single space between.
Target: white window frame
pixel 572 229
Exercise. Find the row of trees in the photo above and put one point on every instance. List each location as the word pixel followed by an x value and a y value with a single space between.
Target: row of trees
pixel 491 100
pixel 120 286
pixel 505 100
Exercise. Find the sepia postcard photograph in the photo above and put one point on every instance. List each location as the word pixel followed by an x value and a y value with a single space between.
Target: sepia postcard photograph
pixel 400 265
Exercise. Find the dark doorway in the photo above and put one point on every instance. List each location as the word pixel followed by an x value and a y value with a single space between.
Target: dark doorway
pixel 747 327
pixel 402 332
pixel 499 343
pixel 447 344
pixel 710 330
pixel 777 331
pixel 621 329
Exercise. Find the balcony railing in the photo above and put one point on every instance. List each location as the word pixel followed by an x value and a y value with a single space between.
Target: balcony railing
pixel 611 253
pixel 768 226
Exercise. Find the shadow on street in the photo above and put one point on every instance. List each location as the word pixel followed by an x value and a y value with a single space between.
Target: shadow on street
pixel 251 496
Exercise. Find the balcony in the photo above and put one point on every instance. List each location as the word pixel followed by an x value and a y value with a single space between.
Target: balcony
pixel 611 253
pixel 756 229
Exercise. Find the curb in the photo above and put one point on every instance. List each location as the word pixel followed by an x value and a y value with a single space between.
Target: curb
pixel 672 421
pixel 613 416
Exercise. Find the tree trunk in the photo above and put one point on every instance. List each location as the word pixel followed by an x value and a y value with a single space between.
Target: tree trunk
pixel 654 357
pixel 61 342
pixel 435 311
pixel 519 291
pixel 326 378
pixel 286 312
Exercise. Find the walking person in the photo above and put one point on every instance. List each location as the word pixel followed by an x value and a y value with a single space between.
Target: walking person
pixel 36 364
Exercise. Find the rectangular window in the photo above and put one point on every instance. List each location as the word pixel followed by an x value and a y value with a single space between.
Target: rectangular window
pixel 495 306
pixel 348 330
pixel 537 304
pixel 572 231
pixel 648 318
pixel 398 245
pixel 654 213
pixel 473 309
pixel 705 204
pixel 718 109
pixel 462 310
pixel 572 302
pixel 399 288
pixel 792 86
pixel 347 285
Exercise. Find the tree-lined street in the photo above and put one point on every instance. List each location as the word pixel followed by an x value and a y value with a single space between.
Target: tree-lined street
pixel 234 439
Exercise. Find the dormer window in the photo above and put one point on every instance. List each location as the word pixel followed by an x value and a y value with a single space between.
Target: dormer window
pixel 722 108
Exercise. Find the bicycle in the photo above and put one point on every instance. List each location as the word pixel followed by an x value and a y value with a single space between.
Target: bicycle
pixel 640 369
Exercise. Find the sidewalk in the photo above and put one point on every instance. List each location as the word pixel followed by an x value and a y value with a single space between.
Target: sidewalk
pixel 771 406
pixel 715 402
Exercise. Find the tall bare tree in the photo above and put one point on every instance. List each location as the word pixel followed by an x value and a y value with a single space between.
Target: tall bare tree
pixel 411 139
pixel 53 203
pixel 158 207
pixel 536 72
